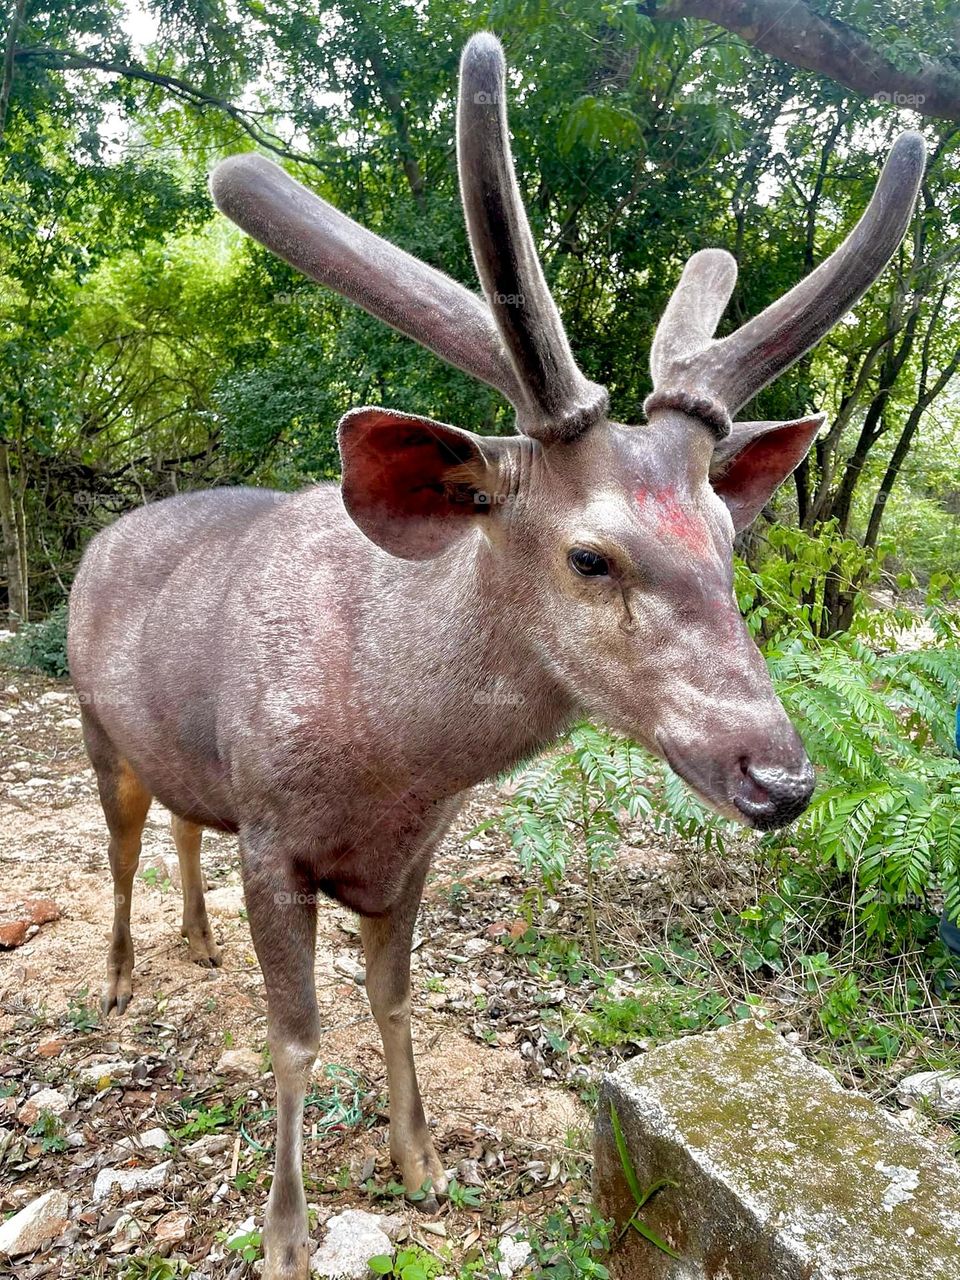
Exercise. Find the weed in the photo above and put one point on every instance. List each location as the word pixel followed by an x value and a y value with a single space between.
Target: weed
pixel 151 1266
pixel 48 1128
pixel 567 1249
pixel 248 1246
pixel 463 1197
pixel 80 1015
pixel 203 1120
pixel 411 1263
pixel 640 1198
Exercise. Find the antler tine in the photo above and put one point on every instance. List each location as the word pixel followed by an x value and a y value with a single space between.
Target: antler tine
pixel 560 403
pixel 739 366
pixel 694 309
pixel 332 249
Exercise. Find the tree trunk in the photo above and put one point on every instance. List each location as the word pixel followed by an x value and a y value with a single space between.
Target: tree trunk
pixel 13 548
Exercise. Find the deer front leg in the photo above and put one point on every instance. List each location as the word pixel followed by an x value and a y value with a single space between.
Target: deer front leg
pixel 386 945
pixel 282 914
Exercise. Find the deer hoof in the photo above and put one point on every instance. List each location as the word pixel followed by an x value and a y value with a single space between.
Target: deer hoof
pixel 419 1169
pixel 203 950
pixel 117 993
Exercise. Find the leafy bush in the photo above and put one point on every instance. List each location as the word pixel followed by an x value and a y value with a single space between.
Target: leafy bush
pixel 39 646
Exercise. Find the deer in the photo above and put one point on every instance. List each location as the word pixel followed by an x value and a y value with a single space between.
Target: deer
pixel 313 670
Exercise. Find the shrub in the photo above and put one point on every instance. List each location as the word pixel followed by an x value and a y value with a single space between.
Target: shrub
pixel 39 646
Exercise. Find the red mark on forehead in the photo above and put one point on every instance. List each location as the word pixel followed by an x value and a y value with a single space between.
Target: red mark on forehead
pixel 672 519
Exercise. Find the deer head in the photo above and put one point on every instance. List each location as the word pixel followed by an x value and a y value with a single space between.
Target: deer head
pixel 611 545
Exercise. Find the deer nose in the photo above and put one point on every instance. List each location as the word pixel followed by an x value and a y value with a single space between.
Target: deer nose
pixel 770 797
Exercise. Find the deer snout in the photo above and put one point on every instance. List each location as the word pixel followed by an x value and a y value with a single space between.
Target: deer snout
pixel 770 796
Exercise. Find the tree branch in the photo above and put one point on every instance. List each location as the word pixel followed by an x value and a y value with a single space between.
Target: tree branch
pixel 791 31
pixel 67 60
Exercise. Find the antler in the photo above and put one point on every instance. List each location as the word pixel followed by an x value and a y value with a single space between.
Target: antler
pixel 559 402
pixel 713 379
pixel 332 249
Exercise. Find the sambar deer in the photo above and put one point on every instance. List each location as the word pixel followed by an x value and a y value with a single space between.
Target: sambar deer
pixel 312 670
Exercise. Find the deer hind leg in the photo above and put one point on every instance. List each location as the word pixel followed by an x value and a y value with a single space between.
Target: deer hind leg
pixel 196 926
pixel 125 802
pixel 386 945
pixel 282 912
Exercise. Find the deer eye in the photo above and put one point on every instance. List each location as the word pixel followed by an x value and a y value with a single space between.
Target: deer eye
pixel 589 564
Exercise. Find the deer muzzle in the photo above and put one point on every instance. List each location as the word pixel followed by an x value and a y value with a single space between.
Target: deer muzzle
pixel 772 796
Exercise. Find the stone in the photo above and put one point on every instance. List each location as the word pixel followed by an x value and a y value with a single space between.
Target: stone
pixel 51 1048
pixel 172 1228
pixel 125 1234
pixel 514 1255
pixel 239 1232
pixel 227 900
pixel 149 1140
pixel 350 969
pixel 36 1225
pixel 44 1100
pixel 167 867
pixel 53 697
pixel 113 1069
pixel 130 1181
pixel 778 1170
pixel 240 1062
pixel 940 1090
pixel 71 722
pixel 353 1238
pixel 211 1144
pixel 13 933
pixel 21 917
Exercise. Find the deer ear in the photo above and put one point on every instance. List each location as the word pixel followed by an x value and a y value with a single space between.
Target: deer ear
pixel 415 486
pixel 754 460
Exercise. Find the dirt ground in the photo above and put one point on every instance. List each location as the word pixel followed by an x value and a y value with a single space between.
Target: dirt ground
pixel 506 1131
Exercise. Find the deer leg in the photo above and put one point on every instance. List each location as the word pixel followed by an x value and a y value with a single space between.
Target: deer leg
pixel 386 945
pixel 125 802
pixel 282 918
pixel 196 927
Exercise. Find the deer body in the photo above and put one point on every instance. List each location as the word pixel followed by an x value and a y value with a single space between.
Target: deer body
pixel 326 672
pixel 288 674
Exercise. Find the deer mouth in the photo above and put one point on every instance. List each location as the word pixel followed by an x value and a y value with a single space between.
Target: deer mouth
pixel 756 795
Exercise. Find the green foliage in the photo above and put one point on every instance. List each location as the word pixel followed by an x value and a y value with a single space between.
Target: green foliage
pixel 81 1016
pixel 39 646
pixel 886 814
pixel 786 593
pixel 249 1245
pixel 204 1120
pixel 640 1197
pixel 410 1263
pixel 49 1129
pixel 567 1249
pixel 152 1266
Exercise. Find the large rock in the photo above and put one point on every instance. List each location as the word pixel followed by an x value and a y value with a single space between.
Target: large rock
pixel 35 1226
pixel 779 1171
